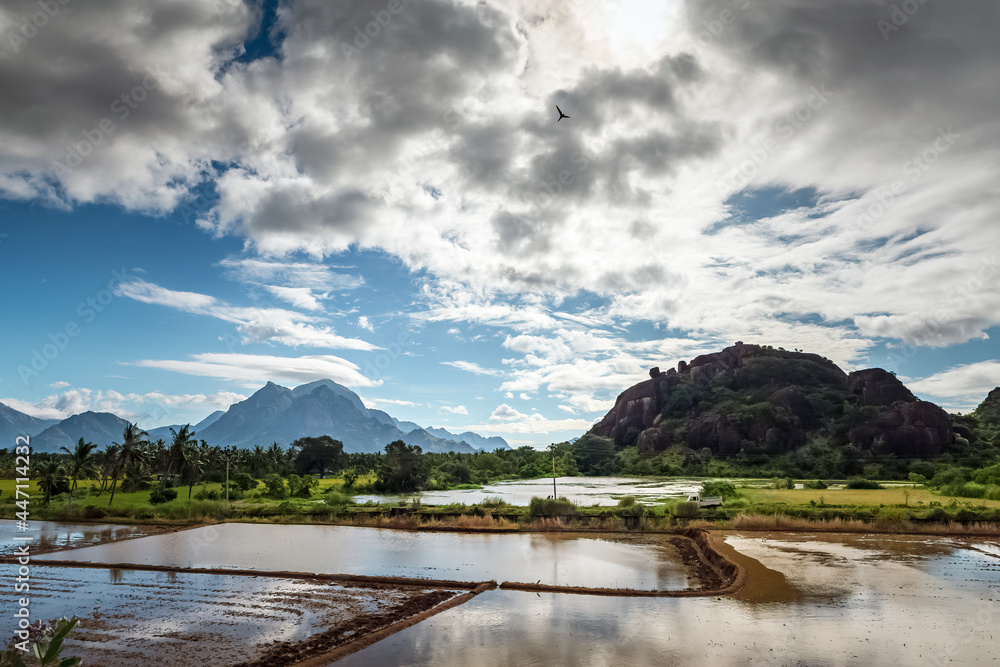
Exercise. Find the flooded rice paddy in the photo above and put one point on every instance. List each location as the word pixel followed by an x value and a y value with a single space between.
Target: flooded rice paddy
pixel 49 535
pixel 810 599
pixel 145 618
pixel 604 491
pixel 820 600
pixel 616 560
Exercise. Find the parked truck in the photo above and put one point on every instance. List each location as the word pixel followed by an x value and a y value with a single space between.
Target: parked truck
pixel 704 502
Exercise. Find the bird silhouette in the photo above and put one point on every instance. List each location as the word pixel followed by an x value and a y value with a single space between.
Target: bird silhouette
pixel 561 114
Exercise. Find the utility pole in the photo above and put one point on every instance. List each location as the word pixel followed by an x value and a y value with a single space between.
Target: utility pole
pixel 553 448
pixel 228 454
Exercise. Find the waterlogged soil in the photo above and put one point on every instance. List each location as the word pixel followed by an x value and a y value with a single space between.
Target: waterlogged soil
pixel 811 599
pixel 614 560
pixel 142 618
pixel 52 535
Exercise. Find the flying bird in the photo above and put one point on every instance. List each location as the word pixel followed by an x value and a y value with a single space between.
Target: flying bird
pixel 561 114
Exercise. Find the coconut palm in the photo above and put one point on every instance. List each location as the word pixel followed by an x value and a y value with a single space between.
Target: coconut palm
pixel 175 455
pixel 257 459
pixel 132 451
pixel 195 460
pixel 275 458
pixel 49 476
pixel 82 460
pixel 107 467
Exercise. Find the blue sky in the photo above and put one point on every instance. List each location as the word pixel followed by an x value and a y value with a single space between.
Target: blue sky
pixel 407 219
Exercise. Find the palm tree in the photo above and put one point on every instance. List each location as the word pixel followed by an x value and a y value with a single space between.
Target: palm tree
pixel 195 459
pixel 275 458
pixel 109 460
pixel 82 460
pixel 49 475
pixel 175 455
pixel 131 453
pixel 258 459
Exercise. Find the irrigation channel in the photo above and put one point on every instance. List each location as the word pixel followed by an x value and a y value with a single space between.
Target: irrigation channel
pixel 266 594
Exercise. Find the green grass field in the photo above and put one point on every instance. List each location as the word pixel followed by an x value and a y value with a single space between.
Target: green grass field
pixel 874 497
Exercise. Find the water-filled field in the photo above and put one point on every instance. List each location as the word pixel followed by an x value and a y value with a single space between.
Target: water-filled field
pixel 593 560
pixel 811 600
pixel 603 491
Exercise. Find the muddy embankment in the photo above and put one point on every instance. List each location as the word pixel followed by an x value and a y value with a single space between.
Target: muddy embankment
pixel 717 574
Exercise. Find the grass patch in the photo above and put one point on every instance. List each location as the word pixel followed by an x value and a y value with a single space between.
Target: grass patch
pixel 839 497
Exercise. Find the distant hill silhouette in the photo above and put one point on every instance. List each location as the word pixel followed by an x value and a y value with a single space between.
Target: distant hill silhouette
pixel 272 414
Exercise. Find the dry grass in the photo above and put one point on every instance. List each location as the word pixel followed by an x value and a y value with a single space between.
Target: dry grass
pixel 546 525
pixel 838 525
pixel 467 521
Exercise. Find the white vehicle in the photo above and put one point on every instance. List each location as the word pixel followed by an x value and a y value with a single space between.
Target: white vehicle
pixel 704 502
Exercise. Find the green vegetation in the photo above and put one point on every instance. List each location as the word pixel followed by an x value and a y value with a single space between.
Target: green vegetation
pixel 862 483
pixel 44 643
pixel 551 507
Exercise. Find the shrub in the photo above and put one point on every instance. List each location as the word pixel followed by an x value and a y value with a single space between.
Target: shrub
pixel 635 509
pixel 937 514
pixel 627 501
pixel 686 510
pixel 862 483
pixel 493 501
pixel 275 487
pixel 719 488
pixel 350 477
pixel 205 494
pixel 301 487
pixel 94 512
pixel 814 484
pixel 161 495
pixel 336 497
pixel 243 481
pixel 551 507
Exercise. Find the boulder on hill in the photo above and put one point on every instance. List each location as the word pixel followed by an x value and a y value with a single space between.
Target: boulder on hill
pixel 875 386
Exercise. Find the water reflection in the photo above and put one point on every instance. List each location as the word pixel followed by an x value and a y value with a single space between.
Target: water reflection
pixel 56 535
pixel 604 491
pixel 850 603
pixel 613 560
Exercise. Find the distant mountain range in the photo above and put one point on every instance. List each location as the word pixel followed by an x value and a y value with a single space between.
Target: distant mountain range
pixel 272 414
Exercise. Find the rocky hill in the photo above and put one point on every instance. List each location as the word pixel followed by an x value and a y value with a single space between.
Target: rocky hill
pixel 753 399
